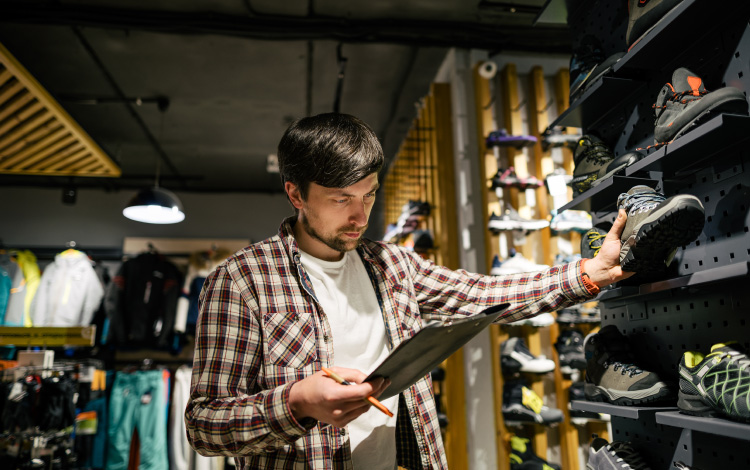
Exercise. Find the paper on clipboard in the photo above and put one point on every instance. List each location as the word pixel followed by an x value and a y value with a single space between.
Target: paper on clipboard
pixel 417 356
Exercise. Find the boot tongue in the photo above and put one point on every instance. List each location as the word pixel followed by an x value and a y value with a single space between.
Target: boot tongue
pixel 683 80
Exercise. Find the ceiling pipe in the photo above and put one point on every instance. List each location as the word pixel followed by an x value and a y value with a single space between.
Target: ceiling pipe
pixel 488 35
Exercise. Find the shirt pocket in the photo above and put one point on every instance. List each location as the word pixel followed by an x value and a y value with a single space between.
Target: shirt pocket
pixel 290 341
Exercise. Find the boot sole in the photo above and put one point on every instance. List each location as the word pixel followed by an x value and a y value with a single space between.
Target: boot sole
pixel 694 405
pixel 658 392
pixel 655 239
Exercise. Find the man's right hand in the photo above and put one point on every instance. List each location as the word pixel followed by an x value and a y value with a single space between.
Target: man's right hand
pixel 322 398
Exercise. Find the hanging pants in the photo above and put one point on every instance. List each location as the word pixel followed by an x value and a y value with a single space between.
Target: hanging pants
pixel 138 400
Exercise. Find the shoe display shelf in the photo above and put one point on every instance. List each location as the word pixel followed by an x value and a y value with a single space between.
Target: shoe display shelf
pixel 684 156
pixel 601 104
pixel 715 426
pixel 630 412
pixel 713 275
pixel 603 196
pixel 705 299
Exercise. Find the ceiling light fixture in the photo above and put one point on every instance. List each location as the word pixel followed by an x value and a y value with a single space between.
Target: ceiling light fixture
pixel 155 205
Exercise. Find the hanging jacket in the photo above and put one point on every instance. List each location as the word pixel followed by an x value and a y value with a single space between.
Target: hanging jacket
pixel 141 301
pixel 200 266
pixel 5 283
pixel 69 292
pixel 17 294
pixel 31 274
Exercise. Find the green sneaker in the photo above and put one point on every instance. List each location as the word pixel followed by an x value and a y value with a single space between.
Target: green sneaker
pixel 717 385
pixel 656 227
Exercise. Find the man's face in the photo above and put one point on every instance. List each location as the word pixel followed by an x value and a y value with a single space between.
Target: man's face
pixel 333 220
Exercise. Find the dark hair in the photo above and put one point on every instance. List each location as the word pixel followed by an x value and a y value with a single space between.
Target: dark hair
pixel 333 150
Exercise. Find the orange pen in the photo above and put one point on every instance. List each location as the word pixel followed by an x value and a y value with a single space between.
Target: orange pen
pixel 373 401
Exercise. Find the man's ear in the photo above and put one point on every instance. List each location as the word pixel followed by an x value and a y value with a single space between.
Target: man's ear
pixel 292 192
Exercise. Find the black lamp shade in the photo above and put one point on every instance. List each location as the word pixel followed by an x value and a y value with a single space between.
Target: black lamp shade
pixel 155 206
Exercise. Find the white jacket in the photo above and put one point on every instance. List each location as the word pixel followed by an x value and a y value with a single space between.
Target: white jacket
pixel 69 292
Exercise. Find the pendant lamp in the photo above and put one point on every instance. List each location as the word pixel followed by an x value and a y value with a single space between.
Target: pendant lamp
pixel 155 205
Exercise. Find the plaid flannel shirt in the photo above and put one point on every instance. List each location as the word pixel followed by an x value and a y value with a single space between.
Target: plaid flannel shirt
pixel 261 329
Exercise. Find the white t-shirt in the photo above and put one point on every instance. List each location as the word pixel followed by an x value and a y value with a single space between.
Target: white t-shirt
pixel 348 298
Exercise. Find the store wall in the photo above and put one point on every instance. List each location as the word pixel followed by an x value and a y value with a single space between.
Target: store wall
pixel 37 217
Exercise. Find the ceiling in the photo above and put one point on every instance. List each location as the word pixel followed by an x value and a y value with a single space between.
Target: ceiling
pixel 206 87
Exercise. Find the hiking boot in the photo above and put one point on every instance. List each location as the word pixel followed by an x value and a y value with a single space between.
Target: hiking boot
pixel 516 357
pixel 685 103
pixel 591 241
pixel 717 385
pixel 586 56
pixel 577 314
pixel 521 404
pixel 656 227
pixel 569 346
pixel 612 375
pixel 616 455
pixel 501 138
pixel 617 166
pixel 496 265
pixel 566 221
pixel 522 456
pixel 538 321
pixel 518 264
pixel 591 157
pixel 554 137
pixel 512 220
pixel 643 15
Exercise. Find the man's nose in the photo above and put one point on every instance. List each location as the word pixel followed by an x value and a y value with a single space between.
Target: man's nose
pixel 358 215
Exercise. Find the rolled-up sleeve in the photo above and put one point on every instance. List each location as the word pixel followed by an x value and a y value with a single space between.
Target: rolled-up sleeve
pixel 441 291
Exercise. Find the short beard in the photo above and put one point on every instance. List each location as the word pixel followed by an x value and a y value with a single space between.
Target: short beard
pixel 333 243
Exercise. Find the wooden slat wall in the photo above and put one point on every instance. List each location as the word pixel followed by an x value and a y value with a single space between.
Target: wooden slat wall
pixel 423 170
pixel 37 136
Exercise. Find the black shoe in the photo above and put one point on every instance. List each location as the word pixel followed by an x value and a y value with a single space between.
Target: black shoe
pixel 717 385
pixel 612 375
pixel 643 15
pixel 522 456
pixel 656 227
pixel 586 56
pixel 685 103
pixel 591 159
pixel 569 346
pixel 522 405
pixel 591 241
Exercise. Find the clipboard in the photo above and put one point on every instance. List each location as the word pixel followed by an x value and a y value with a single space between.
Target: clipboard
pixel 435 342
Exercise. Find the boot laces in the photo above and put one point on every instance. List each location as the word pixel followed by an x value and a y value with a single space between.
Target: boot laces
pixel 628 456
pixel 627 368
pixel 639 202
pixel 593 238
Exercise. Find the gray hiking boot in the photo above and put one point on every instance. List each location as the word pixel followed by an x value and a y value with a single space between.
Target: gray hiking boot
pixel 685 103
pixel 612 376
pixel 617 455
pixel 656 227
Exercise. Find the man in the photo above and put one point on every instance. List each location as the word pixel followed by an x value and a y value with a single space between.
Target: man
pixel 319 295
